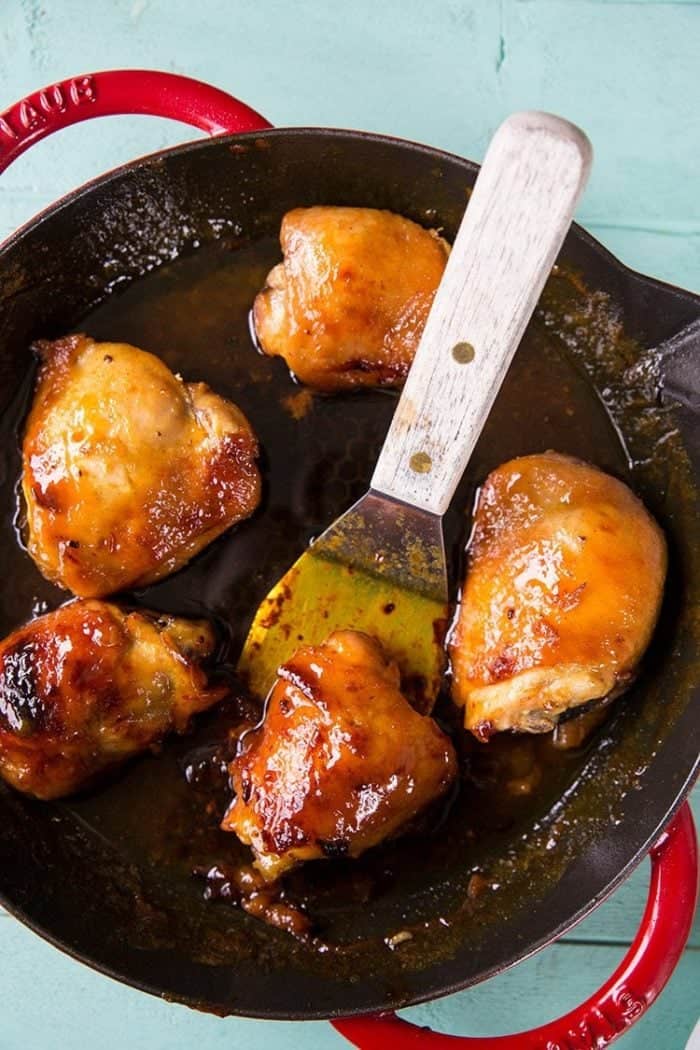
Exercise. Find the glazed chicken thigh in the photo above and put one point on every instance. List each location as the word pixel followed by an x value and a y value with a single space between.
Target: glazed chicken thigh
pixel 563 587
pixel 89 685
pixel 128 471
pixel 341 761
pixel 347 306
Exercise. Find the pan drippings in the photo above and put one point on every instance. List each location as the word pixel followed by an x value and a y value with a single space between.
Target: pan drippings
pixel 162 813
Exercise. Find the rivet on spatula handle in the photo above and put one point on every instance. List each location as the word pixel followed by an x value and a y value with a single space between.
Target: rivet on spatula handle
pixel 520 211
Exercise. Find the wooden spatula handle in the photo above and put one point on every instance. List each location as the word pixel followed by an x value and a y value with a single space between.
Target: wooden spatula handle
pixel 522 206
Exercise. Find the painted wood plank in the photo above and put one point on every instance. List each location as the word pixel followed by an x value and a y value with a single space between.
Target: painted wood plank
pixel 672 256
pixel 624 73
pixel 616 3
pixel 53 1002
pixel 77 1007
pixel 596 64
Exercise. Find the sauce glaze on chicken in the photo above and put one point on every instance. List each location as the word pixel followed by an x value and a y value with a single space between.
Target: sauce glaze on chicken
pixel 340 762
pixel 509 779
pixel 563 587
pixel 89 685
pixel 347 306
pixel 128 471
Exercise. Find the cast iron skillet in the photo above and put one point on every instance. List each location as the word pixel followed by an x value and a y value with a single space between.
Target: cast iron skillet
pixel 103 259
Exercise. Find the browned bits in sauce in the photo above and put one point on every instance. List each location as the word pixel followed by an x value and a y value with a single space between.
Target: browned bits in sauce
pixel 298 405
pixel 476 886
pixel 244 886
pixel 163 312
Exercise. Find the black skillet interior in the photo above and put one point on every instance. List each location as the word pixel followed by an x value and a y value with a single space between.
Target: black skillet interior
pixel 168 253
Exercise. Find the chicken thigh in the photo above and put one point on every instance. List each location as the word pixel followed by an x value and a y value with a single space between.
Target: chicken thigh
pixel 340 762
pixel 347 306
pixel 89 685
pixel 128 471
pixel 564 583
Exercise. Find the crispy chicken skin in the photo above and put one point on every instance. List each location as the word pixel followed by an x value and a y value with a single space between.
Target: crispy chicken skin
pixel 347 306
pixel 128 471
pixel 341 761
pixel 564 583
pixel 89 685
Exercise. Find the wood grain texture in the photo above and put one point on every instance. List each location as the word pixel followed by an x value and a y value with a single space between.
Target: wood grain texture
pixel 533 174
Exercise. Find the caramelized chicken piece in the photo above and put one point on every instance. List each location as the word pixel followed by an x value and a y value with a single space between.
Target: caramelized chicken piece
pixel 128 471
pixel 565 579
pixel 341 761
pixel 88 685
pixel 348 305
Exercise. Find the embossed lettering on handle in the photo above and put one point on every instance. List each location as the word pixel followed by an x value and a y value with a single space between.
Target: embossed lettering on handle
pixel 599 1026
pixel 121 92
pixel 47 106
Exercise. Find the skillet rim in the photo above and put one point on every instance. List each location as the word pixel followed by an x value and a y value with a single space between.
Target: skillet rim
pixel 444 987
pixel 151 159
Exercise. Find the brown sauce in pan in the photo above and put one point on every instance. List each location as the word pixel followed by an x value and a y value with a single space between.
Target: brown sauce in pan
pixel 161 813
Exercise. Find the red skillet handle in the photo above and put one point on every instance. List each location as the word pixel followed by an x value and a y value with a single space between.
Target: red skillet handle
pixel 120 91
pixel 630 991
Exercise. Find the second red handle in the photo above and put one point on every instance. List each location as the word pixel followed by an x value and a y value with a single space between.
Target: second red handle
pixel 624 997
pixel 121 91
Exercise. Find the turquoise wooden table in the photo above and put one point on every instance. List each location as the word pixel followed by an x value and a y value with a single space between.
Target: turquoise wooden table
pixel 445 74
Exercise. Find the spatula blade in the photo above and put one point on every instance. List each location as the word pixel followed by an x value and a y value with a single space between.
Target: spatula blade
pixel 380 568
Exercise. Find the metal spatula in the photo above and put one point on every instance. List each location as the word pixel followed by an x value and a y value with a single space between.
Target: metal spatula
pixel 381 568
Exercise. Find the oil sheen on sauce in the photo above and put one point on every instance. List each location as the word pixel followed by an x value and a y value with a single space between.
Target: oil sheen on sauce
pixel 162 812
